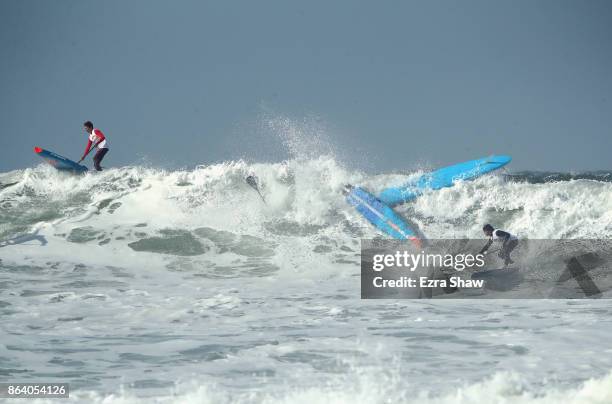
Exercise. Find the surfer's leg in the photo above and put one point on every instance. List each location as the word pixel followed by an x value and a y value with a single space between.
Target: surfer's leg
pixel 98 158
pixel 507 249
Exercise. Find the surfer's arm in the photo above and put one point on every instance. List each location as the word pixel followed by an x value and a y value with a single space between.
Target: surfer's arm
pixel 86 150
pixel 486 247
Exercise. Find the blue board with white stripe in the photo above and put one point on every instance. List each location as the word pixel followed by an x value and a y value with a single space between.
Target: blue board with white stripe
pixel 59 162
pixel 380 215
pixel 442 178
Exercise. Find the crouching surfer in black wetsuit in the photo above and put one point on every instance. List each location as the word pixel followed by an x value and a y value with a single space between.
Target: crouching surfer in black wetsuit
pixel 509 242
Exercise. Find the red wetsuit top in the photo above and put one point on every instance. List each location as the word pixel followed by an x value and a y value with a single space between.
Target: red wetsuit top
pixel 97 138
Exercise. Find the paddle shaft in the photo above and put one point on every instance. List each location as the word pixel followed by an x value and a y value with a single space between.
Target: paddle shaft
pixel 252 181
pixel 89 151
pixel 259 193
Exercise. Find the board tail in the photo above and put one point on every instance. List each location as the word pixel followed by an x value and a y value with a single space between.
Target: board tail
pixel 380 215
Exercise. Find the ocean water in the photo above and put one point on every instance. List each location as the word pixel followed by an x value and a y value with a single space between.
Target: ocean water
pixel 139 285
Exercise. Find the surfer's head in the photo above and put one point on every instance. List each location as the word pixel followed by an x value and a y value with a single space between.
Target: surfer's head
pixel 88 126
pixel 488 229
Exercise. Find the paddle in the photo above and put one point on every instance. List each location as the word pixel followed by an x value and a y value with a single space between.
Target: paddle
pixel 252 181
pixel 89 151
pixel 492 251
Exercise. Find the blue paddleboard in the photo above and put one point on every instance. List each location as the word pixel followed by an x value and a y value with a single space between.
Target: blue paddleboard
pixel 442 178
pixel 380 215
pixel 60 162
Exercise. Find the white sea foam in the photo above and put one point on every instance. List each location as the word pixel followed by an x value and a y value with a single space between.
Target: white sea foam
pixel 184 285
pixel 500 388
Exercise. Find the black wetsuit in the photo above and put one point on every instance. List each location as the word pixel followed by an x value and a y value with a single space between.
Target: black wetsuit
pixel 509 243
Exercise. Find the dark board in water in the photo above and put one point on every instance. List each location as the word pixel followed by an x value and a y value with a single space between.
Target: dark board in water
pixel 501 279
pixel 60 162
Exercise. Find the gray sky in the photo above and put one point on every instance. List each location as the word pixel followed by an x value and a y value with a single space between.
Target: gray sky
pixel 390 84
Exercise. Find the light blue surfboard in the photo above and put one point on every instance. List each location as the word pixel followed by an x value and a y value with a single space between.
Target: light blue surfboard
pixel 380 215
pixel 442 178
pixel 60 162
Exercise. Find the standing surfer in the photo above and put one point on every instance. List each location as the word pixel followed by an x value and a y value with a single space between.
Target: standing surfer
pixel 509 242
pixel 97 138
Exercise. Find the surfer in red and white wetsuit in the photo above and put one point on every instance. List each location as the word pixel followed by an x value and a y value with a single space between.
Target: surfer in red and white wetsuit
pixel 96 138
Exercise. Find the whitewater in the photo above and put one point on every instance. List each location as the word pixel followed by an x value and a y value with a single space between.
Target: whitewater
pixel 142 285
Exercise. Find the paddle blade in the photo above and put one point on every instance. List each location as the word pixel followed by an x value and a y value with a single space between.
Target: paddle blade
pixel 252 181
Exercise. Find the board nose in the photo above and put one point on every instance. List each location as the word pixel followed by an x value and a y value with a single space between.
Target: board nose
pixel 501 159
pixel 37 149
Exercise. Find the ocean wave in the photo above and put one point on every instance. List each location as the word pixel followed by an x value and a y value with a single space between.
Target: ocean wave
pixel 301 194
pixel 500 388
